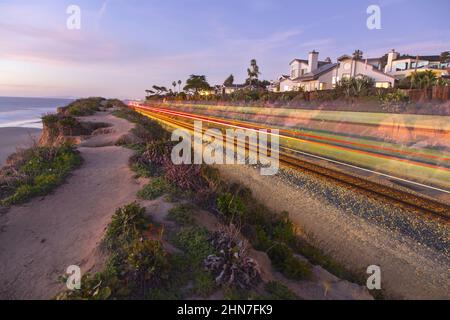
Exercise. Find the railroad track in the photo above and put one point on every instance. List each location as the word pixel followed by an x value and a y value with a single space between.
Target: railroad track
pixel 410 200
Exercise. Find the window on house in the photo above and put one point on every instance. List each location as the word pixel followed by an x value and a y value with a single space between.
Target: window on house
pixel 401 66
pixel 382 84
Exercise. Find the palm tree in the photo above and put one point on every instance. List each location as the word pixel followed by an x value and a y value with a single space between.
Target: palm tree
pixel 179 85
pixel 358 54
pixel 157 89
pixel 253 71
pixel 174 84
pixel 423 80
pixel 229 81
pixel 428 79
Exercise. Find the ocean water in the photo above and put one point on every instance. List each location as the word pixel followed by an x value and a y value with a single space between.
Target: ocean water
pixel 27 112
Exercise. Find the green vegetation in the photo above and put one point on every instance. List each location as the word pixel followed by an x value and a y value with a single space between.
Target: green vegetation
pixel 146 129
pixel 204 284
pixel 283 259
pixel 182 215
pixel 229 81
pixel 89 106
pixel 36 172
pixel 266 230
pixel 84 107
pixel 394 101
pixel 188 277
pixel 230 206
pixel 128 224
pixel 137 263
pixel 354 87
pixel 196 83
pixel 253 72
pixel 278 291
pixel 194 242
pixel 423 80
pixel 62 125
pixel 155 189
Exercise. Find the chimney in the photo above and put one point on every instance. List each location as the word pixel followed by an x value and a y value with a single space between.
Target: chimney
pixel 392 55
pixel 313 61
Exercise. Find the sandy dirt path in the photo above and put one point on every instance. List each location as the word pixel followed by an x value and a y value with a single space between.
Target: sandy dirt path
pixel 39 240
pixel 409 270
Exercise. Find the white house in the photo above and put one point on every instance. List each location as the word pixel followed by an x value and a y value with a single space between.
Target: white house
pixel 349 67
pixel 300 68
pixel 313 74
pixel 401 66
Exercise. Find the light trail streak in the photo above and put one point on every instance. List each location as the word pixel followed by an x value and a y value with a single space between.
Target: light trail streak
pixel 225 123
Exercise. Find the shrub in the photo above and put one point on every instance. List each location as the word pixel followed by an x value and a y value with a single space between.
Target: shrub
pixel 142 167
pixel 194 242
pixel 316 257
pixel 283 259
pixel 395 101
pixel 262 241
pixel 284 230
pixel 278 291
pixel 22 193
pixel 84 107
pixel 156 153
pixel 231 206
pixel 182 215
pixel 136 264
pixel 142 171
pixel 233 293
pixel 232 266
pixel 354 87
pixel 147 261
pixel 186 177
pixel 127 224
pixel 104 285
pixel 146 133
pixel 204 284
pixel 94 287
pixel 154 189
pixel 36 172
pixel 111 103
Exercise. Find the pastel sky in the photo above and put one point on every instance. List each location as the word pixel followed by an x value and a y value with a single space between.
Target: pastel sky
pixel 126 46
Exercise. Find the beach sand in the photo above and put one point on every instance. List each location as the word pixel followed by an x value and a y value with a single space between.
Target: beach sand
pixel 13 138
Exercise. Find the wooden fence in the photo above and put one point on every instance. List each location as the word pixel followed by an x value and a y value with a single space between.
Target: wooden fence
pixel 435 93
